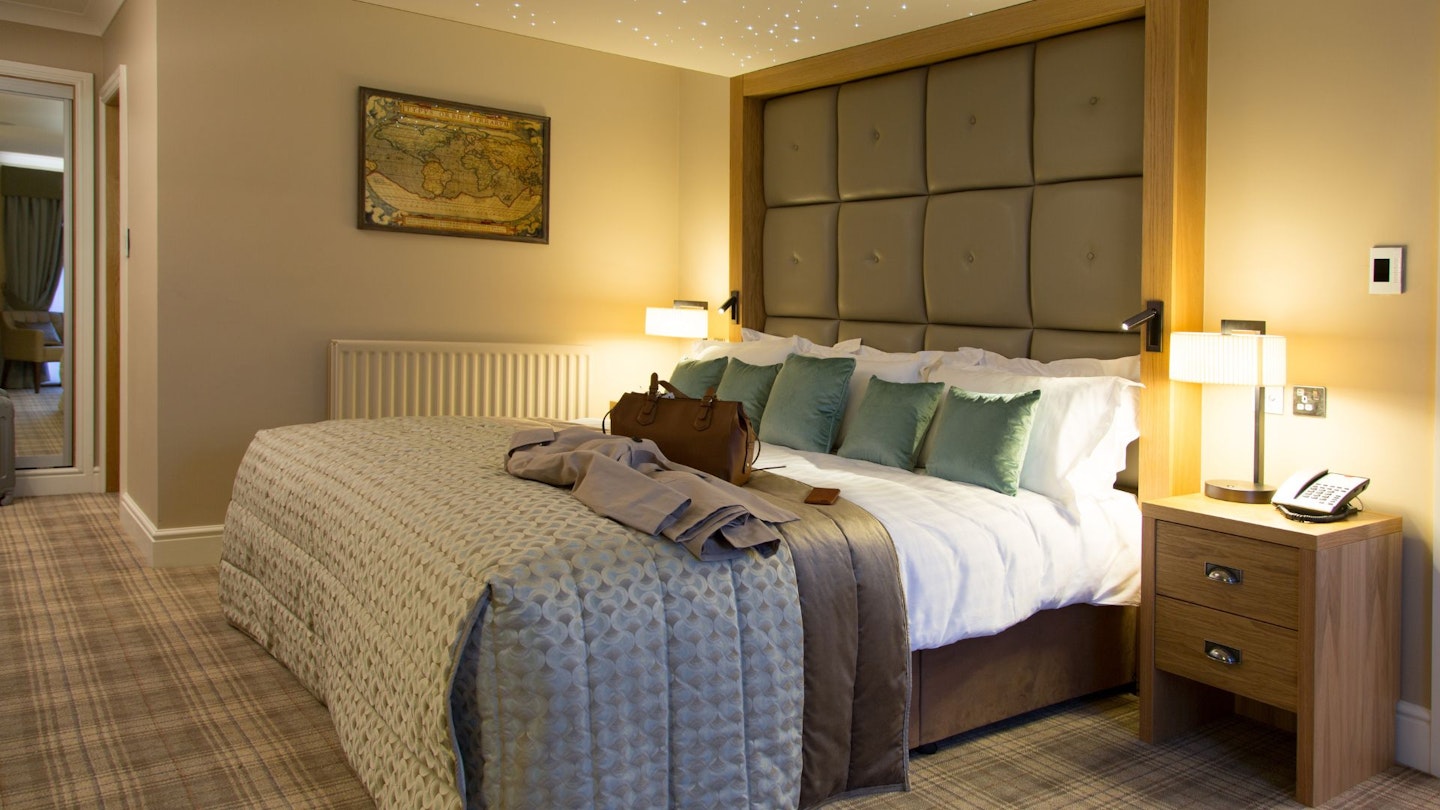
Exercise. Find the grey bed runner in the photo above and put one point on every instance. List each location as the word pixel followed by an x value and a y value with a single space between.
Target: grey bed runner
pixel 606 668
pixel 857 690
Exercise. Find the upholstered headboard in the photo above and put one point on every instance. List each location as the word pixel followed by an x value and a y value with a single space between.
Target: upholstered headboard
pixel 991 201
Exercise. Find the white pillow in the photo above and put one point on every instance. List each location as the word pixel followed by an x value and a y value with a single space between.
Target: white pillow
pixel 1126 367
pixel 906 368
pixel 1081 429
pixel 845 347
pixel 755 352
pixel 926 358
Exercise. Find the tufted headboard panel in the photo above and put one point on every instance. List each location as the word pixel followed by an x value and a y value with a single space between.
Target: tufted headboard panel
pixel 992 201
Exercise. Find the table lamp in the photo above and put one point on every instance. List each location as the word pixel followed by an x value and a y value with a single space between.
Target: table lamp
pixel 1240 354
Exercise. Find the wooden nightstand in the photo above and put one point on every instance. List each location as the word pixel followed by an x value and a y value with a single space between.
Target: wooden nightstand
pixel 1241 607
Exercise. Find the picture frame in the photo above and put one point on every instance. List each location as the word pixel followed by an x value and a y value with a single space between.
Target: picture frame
pixel 452 169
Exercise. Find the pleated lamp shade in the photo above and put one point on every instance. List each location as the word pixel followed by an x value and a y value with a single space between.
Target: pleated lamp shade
pixel 1241 359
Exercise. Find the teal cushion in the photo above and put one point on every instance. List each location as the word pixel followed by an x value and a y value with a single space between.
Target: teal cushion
pixel 806 402
pixel 695 377
pixel 748 385
pixel 981 438
pixel 890 422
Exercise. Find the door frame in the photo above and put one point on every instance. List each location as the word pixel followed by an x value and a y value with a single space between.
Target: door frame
pixel 83 474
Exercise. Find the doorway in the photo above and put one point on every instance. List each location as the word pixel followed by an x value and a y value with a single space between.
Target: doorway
pixel 49 198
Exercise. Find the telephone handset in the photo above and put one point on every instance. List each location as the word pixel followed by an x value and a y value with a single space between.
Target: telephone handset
pixel 1318 495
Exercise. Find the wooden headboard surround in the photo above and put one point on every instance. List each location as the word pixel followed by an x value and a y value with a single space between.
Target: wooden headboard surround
pixel 886 209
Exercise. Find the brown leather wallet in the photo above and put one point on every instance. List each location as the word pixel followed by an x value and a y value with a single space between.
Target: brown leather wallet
pixel 823 496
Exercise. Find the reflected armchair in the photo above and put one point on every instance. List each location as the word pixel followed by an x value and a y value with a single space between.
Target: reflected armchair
pixel 31 337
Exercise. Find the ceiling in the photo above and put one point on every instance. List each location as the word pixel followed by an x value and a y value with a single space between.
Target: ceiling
pixel 80 16
pixel 723 37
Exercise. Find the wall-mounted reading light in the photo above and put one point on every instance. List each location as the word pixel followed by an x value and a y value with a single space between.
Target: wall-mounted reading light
pixel 732 305
pixel 1154 316
pixel 686 319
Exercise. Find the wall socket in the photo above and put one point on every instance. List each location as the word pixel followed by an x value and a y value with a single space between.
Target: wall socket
pixel 1308 400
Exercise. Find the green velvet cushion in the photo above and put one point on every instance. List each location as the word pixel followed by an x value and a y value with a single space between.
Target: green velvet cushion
pixel 748 385
pixel 806 402
pixel 981 438
pixel 890 422
pixel 695 377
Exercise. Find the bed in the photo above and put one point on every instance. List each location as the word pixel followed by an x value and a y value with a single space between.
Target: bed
pixel 482 636
pixel 809 276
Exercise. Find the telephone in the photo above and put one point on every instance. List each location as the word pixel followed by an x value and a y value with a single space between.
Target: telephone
pixel 1318 495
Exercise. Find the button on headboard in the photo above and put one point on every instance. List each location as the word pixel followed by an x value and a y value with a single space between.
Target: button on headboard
pixel 992 201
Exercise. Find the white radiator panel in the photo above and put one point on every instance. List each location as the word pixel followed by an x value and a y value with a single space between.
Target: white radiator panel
pixel 376 378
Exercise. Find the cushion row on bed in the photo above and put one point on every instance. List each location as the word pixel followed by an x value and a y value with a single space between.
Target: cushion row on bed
pixel 1059 429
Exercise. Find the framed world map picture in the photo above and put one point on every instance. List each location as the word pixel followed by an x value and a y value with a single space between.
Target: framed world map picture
pixel 431 166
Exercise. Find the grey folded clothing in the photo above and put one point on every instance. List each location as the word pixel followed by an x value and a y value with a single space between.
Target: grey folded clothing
pixel 630 481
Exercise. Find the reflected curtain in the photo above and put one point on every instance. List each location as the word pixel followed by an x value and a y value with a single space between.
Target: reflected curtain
pixel 34 250
pixel 34 253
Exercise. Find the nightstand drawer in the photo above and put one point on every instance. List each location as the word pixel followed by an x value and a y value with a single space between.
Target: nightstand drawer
pixel 1264 658
pixel 1234 574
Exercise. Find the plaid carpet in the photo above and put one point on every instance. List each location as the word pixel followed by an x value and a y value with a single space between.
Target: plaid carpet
pixel 122 686
pixel 39 429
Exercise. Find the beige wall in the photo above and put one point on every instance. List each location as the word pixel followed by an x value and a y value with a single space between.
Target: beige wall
pixel 704 197
pixel 257 262
pixel 1323 131
pixel 45 46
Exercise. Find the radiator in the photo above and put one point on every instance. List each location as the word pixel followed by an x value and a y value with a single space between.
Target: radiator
pixel 375 378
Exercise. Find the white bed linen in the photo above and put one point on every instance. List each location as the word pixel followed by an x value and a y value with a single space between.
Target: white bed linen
pixel 975 562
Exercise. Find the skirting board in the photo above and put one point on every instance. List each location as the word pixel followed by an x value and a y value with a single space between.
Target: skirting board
pixel 169 548
pixel 1412 736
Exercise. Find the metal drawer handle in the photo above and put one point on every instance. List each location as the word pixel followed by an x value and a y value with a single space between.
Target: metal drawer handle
pixel 1224 575
pixel 1229 656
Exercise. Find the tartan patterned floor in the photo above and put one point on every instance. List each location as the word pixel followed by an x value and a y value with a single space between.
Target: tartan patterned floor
pixel 39 429
pixel 122 686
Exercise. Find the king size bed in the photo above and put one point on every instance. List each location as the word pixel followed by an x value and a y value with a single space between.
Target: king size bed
pixel 487 641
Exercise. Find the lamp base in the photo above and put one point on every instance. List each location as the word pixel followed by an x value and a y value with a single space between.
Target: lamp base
pixel 1239 491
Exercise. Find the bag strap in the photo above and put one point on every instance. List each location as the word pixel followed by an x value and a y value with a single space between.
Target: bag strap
pixel 652 397
pixel 704 415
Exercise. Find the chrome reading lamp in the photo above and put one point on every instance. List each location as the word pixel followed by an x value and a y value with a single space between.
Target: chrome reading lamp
pixel 1240 354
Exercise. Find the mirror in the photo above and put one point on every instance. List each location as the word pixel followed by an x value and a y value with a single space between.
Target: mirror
pixel 36 329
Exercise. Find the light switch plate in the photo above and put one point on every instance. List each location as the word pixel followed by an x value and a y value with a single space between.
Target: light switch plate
pixel 1309 400
pixel 1387 269
pixel 1275 399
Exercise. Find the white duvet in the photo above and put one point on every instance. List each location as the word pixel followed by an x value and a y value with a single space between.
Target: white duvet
pixel 975 562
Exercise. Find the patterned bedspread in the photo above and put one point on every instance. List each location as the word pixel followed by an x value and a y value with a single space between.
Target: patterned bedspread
pixel 606 668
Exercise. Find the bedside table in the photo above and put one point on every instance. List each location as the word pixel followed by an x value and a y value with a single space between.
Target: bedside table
pixel 1242 607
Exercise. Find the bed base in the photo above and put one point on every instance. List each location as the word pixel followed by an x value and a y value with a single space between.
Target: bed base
pixel 1053 656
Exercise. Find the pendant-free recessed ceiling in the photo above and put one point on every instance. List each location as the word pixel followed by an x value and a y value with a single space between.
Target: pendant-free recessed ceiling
pixel 724 37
